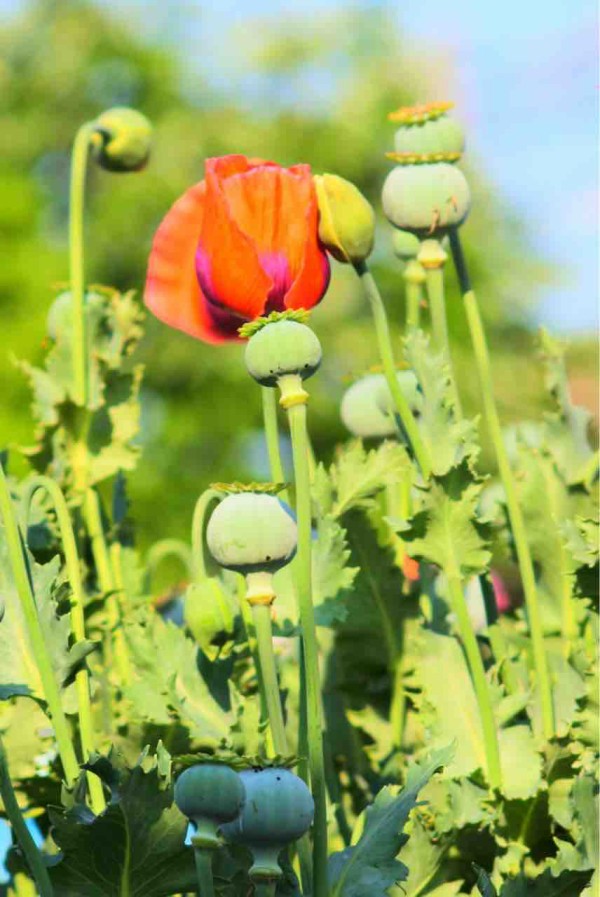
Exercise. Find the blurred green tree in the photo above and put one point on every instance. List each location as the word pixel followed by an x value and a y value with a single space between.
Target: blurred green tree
pixel 322 97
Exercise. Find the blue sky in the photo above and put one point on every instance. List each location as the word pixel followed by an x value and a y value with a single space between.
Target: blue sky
pixel 524 75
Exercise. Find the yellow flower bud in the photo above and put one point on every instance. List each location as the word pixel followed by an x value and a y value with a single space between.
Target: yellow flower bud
pixel 346 219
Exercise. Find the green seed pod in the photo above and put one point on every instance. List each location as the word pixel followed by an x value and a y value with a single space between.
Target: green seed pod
pixel 278 810
pixel 126 139
pixel 405 245
pixel 210 795
pixel 361 409
pixel 281 348
pixel 252 532
pixel 426 199
pixel 410 387
pixel 210 615
pixel 443 135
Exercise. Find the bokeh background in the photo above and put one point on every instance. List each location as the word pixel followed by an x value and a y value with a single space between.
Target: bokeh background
pixel 310 81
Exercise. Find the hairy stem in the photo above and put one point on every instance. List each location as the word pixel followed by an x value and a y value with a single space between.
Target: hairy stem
pixel 482 360
pixel 261 614
pixel 39 648
pixel 480 683
pixel 76 615
pixel 297 422
pixel 384 342
pixel 34 859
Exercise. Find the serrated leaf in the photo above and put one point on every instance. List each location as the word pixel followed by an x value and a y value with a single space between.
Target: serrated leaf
pixel 484 885
pixel 167 685
pixel 568 884
pixel 451 440
pixel 19 674
pixel 447 531
pixel 370 866
pixel 520 762
pixel 136 848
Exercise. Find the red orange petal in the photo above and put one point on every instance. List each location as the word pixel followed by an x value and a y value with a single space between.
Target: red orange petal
pixel 172 292
pixel 312 280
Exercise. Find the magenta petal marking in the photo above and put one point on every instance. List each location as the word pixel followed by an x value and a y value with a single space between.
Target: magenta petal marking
pixel 277 266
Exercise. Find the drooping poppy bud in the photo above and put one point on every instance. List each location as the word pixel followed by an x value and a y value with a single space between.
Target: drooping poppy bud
pixel 126 139
pixel 427 132
pixel 426 200
pixel 238 245
pixel 366 405
pixel 346 219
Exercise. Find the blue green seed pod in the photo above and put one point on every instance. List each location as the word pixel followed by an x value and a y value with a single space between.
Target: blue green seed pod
pixel 252 532
pixel 210 795
pixel 279 809
pixel 426 200
pixel 281 348
pixel 361 409
pixel 126 139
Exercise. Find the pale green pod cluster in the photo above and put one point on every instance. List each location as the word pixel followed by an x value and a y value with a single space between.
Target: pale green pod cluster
pixel 126 139
pixel 426 200
pixel 251 532
pixel 366 408
pixel 281 348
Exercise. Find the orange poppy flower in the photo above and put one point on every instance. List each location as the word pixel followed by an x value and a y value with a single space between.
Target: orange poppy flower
pixel 238 245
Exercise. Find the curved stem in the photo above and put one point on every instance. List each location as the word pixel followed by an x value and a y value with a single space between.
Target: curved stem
pixel 297 422
pixel 384 343
pixel 203 859
pixel 76 615
pixel 482 360
pixel 34 859
pixel 39 649
pixel 199 521
pixel 84 138
pixel 261 614
pixel 165 548
pixel 480 683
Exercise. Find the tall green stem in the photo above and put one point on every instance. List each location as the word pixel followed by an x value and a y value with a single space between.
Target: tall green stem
pixel 290 387
pixel 84 139
pixel 482 360
pixel 269 406
pixel 34 859
pixel 384 342
pixel 203 859
pixel 433 259
pixel 36 635
pixel 261 614
pixel 82 683
pixel 486 712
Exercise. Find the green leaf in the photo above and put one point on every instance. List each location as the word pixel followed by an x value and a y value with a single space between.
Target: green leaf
pixel 135 848
pixel 521 763
pixel 568 884
pixel 357 475
pixel 167 685
pixel 19 674
pixel 447 531
pixel 451 441
pixel 370 866
pixel 484 885
pixel 583 853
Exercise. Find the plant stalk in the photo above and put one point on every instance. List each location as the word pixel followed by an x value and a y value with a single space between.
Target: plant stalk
pixel 203 860
pixel 16 553
pixel 82 681
pixel 269 407
pixel 261 615
pixel 480 683
pixel 32 855
pixel 384 342
pixel 414 279
pixel 296 413
pixel 482 360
